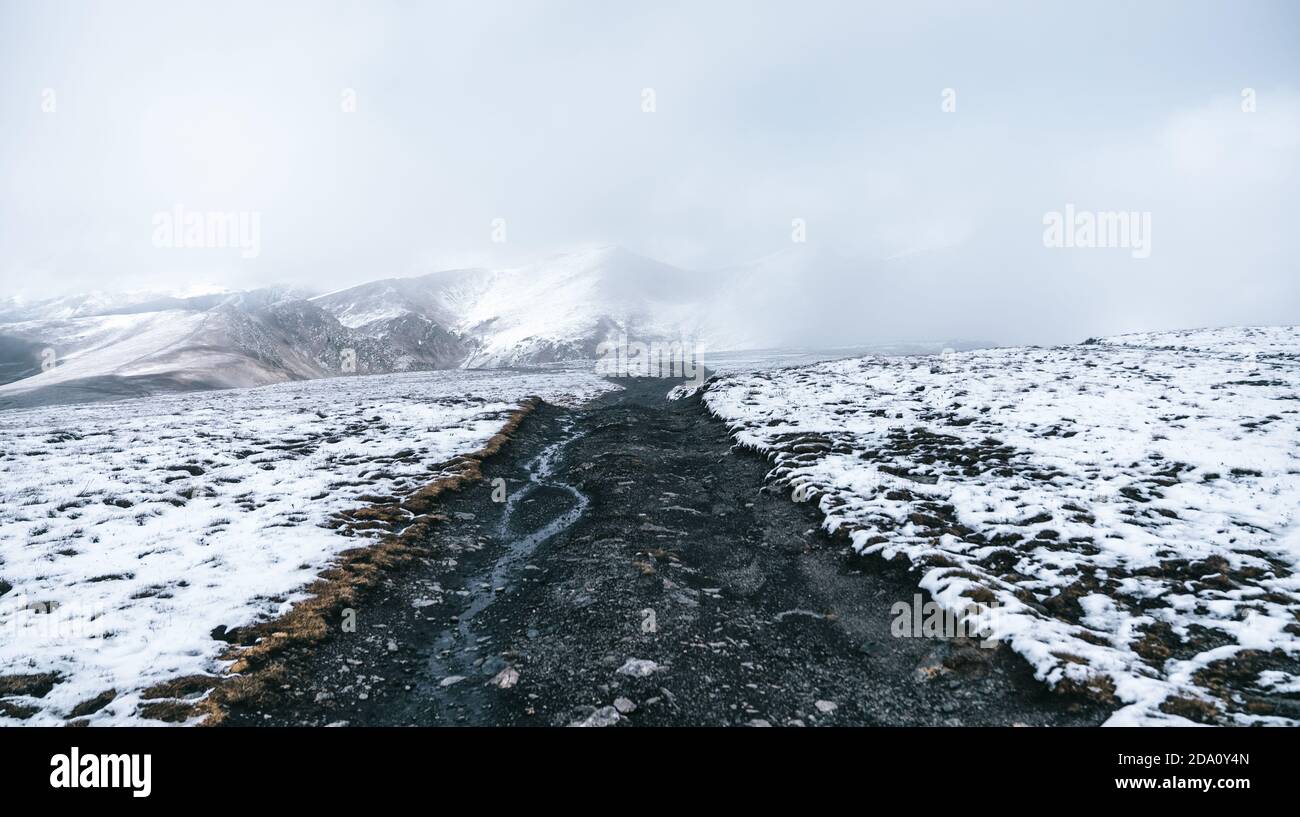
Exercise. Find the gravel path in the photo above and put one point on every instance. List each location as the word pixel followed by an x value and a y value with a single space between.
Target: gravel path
pixel 637 573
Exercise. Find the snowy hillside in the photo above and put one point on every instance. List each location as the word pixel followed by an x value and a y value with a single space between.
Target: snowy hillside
pixel 94 346
pixel 442 297
pixel 562 307
pixel 130 531
pixel 557 309
pixel 1275 343
pixel 1130 506
pixel 227 341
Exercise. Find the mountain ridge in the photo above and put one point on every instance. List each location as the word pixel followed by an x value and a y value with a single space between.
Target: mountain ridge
pixel 556 309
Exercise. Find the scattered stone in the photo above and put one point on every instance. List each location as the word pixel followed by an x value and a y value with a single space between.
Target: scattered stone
pixel 506 678
pixel 649 621
pixel 624 705
pixel 637 668
pixel 605 716
pixel 451 679
pixel 826 707
pixel 759 722
pixel 929 672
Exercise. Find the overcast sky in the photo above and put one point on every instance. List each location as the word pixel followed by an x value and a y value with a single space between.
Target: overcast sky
pixel 764 112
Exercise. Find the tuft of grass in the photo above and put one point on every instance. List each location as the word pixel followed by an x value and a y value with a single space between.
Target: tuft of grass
pixel 36 685
pixel 93 705
pixel 1099 688
pixel 186 686
pixel 1194 709
pixel 17 711
pixel 169 711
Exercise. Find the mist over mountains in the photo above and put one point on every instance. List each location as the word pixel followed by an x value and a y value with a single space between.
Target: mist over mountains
pixel 558 309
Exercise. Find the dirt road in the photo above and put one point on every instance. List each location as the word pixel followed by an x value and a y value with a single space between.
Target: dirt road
pixel 634 571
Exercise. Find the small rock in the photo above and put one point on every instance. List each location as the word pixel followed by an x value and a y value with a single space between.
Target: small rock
pixel 506 678
pixel 624 705
pixel 649 621
pixel 451 679
pixel 929 672
pixel 637 668
pixel 759 722
pixel 826 707
pixel 392 645
pixel 605 716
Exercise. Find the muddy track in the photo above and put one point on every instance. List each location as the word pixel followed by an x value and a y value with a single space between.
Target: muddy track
pixel 636 572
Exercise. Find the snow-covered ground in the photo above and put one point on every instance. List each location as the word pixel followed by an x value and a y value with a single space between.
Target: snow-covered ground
pixel 1128 508
pixel 130 530
pixel 757 360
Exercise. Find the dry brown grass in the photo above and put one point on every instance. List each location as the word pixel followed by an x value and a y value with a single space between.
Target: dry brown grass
pixel 1097 687
pixel 36 684
pixel 254 672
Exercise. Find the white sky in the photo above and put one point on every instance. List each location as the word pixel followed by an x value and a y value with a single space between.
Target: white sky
pixel 766 112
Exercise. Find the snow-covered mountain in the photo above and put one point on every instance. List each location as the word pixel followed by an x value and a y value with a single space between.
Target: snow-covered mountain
pixel 246 339
pixel 439 296
pixel 556 309
pixel 562 307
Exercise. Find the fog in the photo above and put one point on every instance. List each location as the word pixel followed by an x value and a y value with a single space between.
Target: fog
pixel 906 156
